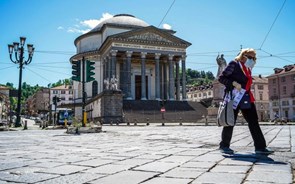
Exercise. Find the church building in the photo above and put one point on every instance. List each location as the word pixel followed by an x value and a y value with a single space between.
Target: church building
pixel 148 62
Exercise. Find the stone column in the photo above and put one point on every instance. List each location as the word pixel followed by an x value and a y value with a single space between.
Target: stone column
pixel 183 77
pixel 143 83
pixel 165 92
pixel 177 81
pixel 157 79
pixel 114 63
pixel 171 78
pixel 128 78
pixel 161 81
pixel 109 65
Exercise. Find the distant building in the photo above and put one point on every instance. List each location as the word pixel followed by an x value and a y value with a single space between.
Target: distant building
pixel 260 92
pixel 64 92
pixel 38 103
pixel 282 92
pixel 4 103
pixel 199 93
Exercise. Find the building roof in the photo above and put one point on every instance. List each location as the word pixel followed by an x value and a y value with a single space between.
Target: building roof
pixel 4 88
pixel 259 79
pixel 61 87
pixel 121 19
pixel 281 71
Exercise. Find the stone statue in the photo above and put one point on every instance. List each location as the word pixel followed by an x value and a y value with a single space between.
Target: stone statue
pixel 114 83
pixel 106 83
pixel 221 64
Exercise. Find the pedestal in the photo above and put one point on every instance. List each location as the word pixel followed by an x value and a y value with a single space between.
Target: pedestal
pixel 111 107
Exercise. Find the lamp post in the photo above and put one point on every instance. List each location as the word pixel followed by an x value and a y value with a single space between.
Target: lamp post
pixel 18 49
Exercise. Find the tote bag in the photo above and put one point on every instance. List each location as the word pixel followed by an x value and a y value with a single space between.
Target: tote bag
pixel 225 114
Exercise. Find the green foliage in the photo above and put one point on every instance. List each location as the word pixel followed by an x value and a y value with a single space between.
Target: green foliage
pixel 60 83
pixel 196 78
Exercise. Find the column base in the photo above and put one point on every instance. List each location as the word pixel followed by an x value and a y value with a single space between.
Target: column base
pixel 158 99
pixel 171 99
pixel 143 98
pixel 129 98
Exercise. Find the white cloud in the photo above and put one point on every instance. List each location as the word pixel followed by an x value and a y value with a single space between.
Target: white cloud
pixel 167 26
pixel 60 28
pixel 85 26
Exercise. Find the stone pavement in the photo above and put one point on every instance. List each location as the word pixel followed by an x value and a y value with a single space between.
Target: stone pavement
pixel 147 155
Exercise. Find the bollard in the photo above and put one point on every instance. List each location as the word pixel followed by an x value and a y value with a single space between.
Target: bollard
pixel 26 125
pixel 148 121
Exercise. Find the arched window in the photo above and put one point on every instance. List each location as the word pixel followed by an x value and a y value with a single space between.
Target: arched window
pixel 94 88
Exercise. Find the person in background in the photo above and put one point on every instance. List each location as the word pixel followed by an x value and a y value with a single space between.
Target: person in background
pixel 237 74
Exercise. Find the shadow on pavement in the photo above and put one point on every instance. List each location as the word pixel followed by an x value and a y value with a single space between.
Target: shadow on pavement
pixel 253 158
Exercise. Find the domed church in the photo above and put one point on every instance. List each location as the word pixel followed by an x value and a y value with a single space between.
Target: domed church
pixel 144 60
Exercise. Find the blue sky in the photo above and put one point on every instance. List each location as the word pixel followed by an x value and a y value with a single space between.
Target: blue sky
pixel 212 26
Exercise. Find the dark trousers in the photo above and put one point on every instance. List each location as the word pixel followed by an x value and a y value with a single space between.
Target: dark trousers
pixel 251 117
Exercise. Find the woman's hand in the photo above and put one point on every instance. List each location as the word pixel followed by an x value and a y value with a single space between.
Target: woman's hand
pixel 237 85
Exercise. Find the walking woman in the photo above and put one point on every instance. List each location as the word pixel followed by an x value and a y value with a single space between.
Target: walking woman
pixel 237 74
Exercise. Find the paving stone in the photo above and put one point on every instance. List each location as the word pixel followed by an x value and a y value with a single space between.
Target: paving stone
pixel 109 169
pixel 64 169
pixel 93 162
pixel 273 167
pixel 177 159
pixel 73 178
pixel 157 166
pixel 5 166
pixel 230 169
pixel 23 170
pixel 125 177
pixel 238 161
pixel 220 178
pixel 151 156
pixel 133 162
pixel 26 178
pixel 182 172
pixel 199 165
pixel 209 158
pixel 163 180
pixel 273 177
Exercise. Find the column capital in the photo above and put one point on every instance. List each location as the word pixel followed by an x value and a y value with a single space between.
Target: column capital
pixel 170 57
pixel 157 55
pixel 113 52
pixel 129 53
pixel 183 57
pixel 143 54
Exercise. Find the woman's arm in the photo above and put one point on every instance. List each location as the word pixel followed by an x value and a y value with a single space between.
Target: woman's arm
pixel 225 77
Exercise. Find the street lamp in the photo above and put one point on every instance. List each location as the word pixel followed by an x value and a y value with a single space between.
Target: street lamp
pixel 18 49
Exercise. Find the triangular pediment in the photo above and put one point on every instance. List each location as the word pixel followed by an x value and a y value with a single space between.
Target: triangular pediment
pixel 150 34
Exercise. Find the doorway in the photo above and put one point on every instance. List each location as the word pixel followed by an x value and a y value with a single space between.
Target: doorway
pixel 138 87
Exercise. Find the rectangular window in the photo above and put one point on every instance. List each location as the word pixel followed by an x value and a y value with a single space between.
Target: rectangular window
pixel 293 77
pixel 260 96
pixel 70 92
pixel 284 90
pixel 200 94
pixel 195 95
pixel 283 79
pixel 285 103
pixel 55 92
pixel 63 92
pixel 275 103
pixel 274 91
pixel 260 87
pixel 274 81
pixel 63 98
pixel 209 93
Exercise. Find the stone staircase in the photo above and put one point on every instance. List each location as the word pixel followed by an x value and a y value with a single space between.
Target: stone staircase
pixel 149 111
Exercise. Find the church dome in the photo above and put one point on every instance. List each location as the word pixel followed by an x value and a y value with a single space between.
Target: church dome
pixel 121 19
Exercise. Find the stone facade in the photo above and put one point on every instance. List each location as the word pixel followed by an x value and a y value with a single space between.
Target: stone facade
pixel 142 57
pixel 281 86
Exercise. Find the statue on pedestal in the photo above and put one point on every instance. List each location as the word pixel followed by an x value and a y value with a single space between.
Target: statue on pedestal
pixel 114 83
pixel 106 83
pixel 221 64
